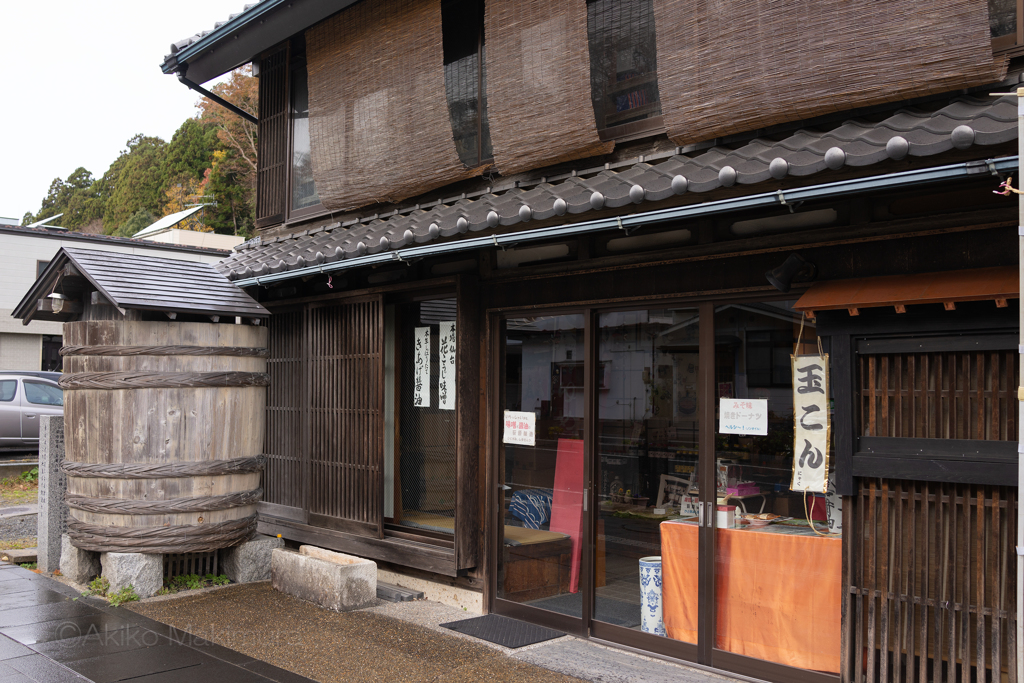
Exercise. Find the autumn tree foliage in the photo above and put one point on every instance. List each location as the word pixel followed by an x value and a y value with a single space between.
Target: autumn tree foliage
pixel 210 160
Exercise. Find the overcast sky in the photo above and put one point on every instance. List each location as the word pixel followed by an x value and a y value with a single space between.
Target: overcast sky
pixel 80 78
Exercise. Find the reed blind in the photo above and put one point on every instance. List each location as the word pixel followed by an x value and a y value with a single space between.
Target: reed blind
pixel 378 116
pixel 727 66
pixel 538 83
pixel 272 134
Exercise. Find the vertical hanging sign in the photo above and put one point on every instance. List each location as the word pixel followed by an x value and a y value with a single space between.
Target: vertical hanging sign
pixel 446 358
pixel 810 423
pixel 421 371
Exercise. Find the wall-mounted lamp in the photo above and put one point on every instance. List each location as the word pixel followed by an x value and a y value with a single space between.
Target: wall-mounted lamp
pixel 793 267
pixel 57 301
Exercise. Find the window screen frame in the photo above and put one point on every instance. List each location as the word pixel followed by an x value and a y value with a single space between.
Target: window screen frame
pixel 928 327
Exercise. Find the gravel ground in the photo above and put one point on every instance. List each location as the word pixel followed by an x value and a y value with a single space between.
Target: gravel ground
pixel 16 528
pixel 328 646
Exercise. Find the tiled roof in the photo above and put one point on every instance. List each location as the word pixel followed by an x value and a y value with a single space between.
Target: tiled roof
pixel 963 123
pixel 180 45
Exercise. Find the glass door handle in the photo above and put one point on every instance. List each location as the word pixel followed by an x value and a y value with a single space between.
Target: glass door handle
pixel 585 500
pixel 700 514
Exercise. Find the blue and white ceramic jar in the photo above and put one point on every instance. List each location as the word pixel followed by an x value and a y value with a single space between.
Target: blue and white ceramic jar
pixel 650 596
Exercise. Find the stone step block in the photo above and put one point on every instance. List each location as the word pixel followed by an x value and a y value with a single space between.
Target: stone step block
pixel 332 580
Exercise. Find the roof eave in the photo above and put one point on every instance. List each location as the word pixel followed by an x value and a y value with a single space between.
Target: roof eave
pixel 241 39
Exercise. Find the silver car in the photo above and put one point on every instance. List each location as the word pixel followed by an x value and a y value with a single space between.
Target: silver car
pixel 23 400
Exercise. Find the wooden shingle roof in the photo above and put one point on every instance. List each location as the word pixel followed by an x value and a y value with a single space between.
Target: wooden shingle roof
pixel 131 281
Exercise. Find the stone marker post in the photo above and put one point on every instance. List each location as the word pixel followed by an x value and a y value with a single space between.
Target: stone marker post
pixel 53 483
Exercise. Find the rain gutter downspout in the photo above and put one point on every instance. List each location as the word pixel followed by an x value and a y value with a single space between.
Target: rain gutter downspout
pixel 216 98
pixel 763 200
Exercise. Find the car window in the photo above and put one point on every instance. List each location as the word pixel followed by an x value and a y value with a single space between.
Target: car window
pixel 43 394
pixel 8 387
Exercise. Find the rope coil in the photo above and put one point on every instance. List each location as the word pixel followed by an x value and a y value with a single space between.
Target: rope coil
pixel 184 538
pixel 162 380
pixel 171 506
pixel 163 470
pixel 113 350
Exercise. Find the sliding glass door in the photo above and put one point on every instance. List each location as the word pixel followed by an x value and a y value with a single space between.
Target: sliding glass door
pixel 543 468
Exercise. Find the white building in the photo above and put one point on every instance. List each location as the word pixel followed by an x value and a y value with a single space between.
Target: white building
pixel 24 252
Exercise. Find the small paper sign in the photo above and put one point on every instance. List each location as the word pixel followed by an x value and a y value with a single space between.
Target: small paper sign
pixel 810 423
pixel 743 416
pixel 446 358
pixel 520 428
pixel 421 371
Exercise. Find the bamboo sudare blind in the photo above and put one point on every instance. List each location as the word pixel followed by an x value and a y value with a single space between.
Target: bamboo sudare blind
pixel 378 116
pixel 538 84
pixel 726 66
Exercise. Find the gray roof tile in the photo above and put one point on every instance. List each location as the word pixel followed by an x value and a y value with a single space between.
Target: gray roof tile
pixel 855 143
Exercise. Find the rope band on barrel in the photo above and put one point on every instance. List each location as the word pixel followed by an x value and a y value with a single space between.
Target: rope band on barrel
pixel 163 470
pixel 182 538
pixel 162 380
pixel 111 350
pixel 171 506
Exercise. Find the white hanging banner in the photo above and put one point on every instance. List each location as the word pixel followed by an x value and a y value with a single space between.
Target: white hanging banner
pixel 446 358
pixel 421 371
pixel 520 428
pixel 810 423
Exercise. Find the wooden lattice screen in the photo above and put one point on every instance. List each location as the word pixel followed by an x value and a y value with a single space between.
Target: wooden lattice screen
pixel 931 583
pixel 939 395
pixel 346 428
pixel 282 478
pixel 272 143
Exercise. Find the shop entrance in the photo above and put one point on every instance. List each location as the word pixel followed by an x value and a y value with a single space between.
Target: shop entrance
pixel 623 504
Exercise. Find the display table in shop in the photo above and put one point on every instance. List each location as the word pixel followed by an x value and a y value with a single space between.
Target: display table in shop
pixel 778 592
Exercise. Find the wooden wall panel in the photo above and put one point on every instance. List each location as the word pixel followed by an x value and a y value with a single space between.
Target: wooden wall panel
pixel 282 479
pixel 272 143
pixel 346 410
pixel 931 582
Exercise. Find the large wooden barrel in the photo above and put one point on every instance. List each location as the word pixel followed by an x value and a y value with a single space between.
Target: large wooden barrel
pixel 163 434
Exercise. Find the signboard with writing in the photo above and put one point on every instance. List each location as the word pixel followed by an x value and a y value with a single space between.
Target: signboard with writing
pixel 520 428
pixel 743 416
pixel 446 359
pixel 810 423
pixel 421 368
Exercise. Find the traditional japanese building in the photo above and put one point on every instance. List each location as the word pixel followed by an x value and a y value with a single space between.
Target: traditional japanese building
pixel 536 273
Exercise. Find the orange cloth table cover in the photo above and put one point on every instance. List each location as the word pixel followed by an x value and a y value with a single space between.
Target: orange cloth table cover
pixel 778 596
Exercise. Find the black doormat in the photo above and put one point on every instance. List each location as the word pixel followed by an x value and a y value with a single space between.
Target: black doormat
pixel 503 631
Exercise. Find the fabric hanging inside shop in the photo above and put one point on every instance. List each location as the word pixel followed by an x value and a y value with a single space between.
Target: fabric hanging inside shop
pixel 538 84
pixel 378 116
pixel 727 66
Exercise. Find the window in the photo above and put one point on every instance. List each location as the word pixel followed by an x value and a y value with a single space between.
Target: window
pixel 303 194
pixel 8 388
pixel 420 418
pixel 938 408
pixel 43 394
pixel 623 62
pixel 1006 29
pixel 768 353
pixel 465 82
pixel 40 267
pixel 284 181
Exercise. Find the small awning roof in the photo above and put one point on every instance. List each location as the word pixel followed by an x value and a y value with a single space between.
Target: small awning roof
pixel 980 284
pixel 133 281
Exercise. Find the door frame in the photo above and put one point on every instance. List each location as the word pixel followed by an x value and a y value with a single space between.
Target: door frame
pixel 703 653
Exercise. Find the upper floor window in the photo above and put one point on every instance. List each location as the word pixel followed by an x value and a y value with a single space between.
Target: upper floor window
pixel 303 188
pixel 465 83
pixel 1003 18
pixel 623 62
